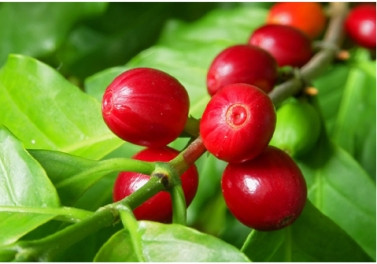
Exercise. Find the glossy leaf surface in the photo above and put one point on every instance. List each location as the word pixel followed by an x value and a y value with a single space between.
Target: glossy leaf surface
pixel 338 186
pixel 45 111
pixel 169 243
pixel 348 102
pixel 300 242
pixel 24 187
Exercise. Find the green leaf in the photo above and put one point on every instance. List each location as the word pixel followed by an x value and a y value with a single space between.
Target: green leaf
pixel 169 243
pixel 347 95
pixel 59 165
pixel 220 26
pixel 312 238
pixel 105 41
pixel 343 191
pixel 46 111
pixel 38 29
pixel 118 248
pixel 355 127
pixel 330 85
pixel 23 185
pixel 62 167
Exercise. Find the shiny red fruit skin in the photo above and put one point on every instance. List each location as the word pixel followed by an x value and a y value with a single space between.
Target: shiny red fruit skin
pixel 159 207
pixel 308 17
pixel 242 64
pixel 146 107
pixel 360 25
pixel 238 123
pixel 289 46
pixel 266 193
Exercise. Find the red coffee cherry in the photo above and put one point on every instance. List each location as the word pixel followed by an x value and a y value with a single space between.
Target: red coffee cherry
pixel 238 122
pixel 308 17
pixel 159 207
pixel 266 193
pixel 286 44
pixel 242 64
pixel 146 106
pixel 360 25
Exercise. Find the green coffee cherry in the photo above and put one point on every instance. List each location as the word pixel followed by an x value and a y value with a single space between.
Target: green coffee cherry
pixel 297 127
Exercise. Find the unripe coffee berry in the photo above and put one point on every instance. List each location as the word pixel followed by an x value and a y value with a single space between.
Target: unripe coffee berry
pixel 289 46
pixel 360 25
pixel 308 17
pixel 146 106
pixel 266 193
pixel 238 123
pixel 242 64
pixel 158 207
pixel 297 127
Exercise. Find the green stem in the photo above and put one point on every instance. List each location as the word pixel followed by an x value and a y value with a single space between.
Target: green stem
pixel 46 248
pixel 179 204
pixel 152 187
pixel 131 224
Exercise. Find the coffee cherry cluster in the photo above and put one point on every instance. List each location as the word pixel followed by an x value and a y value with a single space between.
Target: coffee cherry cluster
pixel 261 184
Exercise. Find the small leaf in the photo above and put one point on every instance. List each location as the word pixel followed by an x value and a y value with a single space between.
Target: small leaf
pixel 74 175
pixel 45 111
pixel 23 183
pixel 313 237
pixel 169 243
pixel 59 165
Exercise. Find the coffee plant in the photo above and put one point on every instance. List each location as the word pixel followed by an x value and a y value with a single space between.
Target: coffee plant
pixel 209 132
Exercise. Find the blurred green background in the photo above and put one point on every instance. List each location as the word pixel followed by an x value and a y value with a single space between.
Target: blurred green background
pixel 80 39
